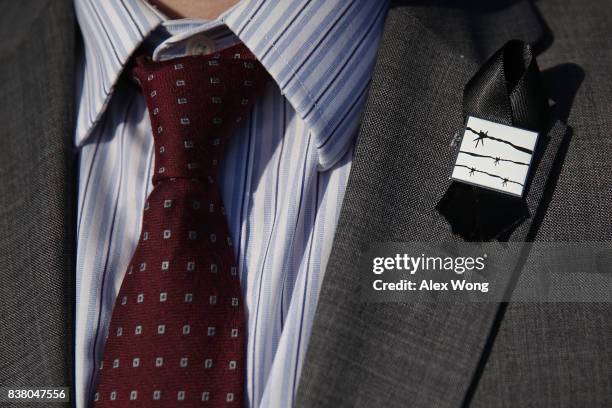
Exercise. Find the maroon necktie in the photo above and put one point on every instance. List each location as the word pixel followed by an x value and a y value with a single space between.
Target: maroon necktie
pixel 177 333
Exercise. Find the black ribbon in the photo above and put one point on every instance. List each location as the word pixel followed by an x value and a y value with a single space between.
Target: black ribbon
pixel 507 89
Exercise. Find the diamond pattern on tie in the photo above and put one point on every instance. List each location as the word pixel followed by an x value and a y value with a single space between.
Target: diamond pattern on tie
pixel 177 334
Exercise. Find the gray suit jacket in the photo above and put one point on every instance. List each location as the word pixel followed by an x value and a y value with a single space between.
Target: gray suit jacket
pixel 363 355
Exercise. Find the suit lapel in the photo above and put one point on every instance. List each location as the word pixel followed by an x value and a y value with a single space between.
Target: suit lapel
pixel 37 195
pixel 426 354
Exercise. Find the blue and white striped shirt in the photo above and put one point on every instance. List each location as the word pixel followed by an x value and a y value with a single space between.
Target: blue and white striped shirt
pixel 283 176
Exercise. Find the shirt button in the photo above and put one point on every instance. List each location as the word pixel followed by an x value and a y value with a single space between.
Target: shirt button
pixel 199 45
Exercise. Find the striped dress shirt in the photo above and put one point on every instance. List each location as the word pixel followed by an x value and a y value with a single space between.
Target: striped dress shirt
pixel 283 176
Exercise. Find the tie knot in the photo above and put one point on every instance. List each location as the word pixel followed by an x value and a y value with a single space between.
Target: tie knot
pixel 195 103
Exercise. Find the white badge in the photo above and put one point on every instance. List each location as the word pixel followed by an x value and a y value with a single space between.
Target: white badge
pixel 495 156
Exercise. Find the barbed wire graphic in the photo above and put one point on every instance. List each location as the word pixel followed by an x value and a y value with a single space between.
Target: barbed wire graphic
pixel 481 136
pixel 496 160
pixel 504 180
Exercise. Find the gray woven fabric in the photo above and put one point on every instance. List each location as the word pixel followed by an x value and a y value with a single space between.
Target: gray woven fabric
pixel 436 355
pixel 37 196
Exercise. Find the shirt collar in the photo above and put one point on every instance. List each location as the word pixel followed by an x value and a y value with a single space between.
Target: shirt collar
pixel 112 30
pixel 320 53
